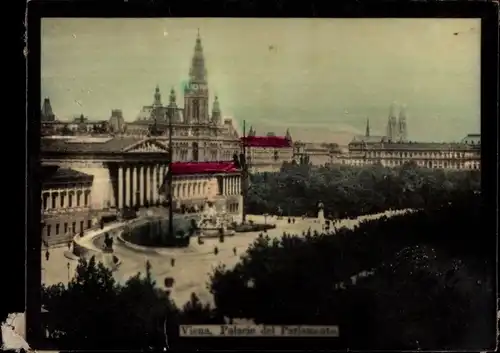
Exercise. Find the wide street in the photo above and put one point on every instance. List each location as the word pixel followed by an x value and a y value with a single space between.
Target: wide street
pixel 192 265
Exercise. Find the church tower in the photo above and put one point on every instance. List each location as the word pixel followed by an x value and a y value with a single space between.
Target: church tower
pixel 47 114
pixel 216 113
pixel 196 91
pixel 367 133
pixel 402 127
pixel 392 124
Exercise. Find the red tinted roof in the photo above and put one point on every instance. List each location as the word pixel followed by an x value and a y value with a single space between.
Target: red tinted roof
pixel 185 168
pixel 267 141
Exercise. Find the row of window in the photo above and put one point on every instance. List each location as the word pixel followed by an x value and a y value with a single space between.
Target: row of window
pixel 233 207
pixel 66 227
pixel 420 154
pixel 52 201
pixel 428 164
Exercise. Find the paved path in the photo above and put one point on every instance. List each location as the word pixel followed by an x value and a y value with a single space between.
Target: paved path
pixel 193 264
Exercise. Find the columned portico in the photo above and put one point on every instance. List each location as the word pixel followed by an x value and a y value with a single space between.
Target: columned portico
pixel 134 176
pixel 140 183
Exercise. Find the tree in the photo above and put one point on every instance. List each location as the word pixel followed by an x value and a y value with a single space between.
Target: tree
pixel 352 191
pixel 91 294
pixel 300 279
pixel 95 312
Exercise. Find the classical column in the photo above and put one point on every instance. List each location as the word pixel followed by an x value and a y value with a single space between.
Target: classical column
pixel 155 184
pixel 141 185
pixel 134 186
pixel 57 196
pixel 87 197
pixel 120 187
pixel 148 184
pixel 161 176
pixel 127 186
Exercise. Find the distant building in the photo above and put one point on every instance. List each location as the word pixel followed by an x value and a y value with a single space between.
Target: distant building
pixel 116 122
pixel 315 153
pixel 267 153
pixel 198 133
pixel 472 140
pixel 395 149
pixel 80 125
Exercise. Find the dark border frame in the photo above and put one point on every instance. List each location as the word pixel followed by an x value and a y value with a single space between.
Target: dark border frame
pixel 487 11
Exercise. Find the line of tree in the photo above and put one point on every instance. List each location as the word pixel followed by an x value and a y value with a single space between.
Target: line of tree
pixel 392 283
pixel 348 191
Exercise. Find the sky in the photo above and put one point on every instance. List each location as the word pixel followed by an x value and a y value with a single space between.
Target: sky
pixel 321 78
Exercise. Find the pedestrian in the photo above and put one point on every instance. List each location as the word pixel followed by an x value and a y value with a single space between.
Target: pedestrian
pixel 69 245
pixel 234 251
pixel 216 250
pixel 293 220
pixel 47 255
pixel 172 262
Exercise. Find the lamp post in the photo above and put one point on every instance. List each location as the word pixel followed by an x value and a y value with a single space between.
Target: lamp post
pixel 244 169
pixel 170 113
pixel 68 266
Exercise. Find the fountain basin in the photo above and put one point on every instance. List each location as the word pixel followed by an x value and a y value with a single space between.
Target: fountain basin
pixel 153 231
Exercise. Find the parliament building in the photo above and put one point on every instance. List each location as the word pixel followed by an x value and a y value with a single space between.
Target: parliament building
pixel 101 167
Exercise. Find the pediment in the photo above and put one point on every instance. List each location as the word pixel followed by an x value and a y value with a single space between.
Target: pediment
pixel 147 146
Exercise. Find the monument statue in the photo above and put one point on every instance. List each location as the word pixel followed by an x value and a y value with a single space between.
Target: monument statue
pixel 321 212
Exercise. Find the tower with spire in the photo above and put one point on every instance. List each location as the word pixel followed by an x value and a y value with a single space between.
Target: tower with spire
pixel 196 91
pixel 392 124
pixel 47 113
pixel 402 124
pixel 216 112
pixel 367 132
